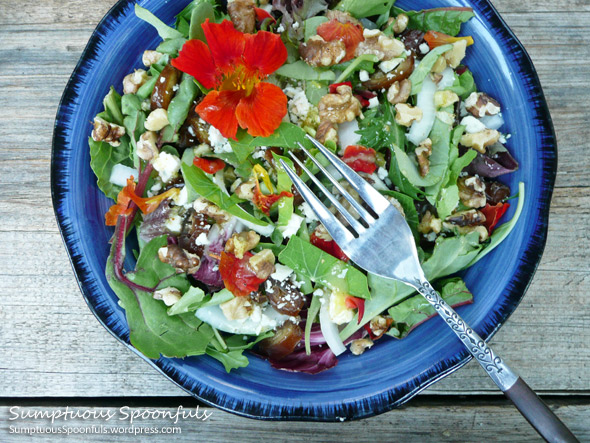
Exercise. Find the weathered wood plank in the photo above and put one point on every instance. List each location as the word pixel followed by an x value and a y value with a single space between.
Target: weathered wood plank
pixel 462 421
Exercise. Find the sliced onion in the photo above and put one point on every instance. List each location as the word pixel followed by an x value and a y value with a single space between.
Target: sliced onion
pixel 425 101
pixel 347 135
pixel 120 173
pixel 330 331
pixel 447 80
pixel 492 121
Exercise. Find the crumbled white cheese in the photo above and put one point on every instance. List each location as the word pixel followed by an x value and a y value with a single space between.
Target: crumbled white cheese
pixel 368 33
pixel 382 173
pixel 219 143
pixel 202 239
pixel 120 173
pixel 281 28
pixel 298 105
pixel 292 226
pixel 295 25
pixel 260 152
pixel 373 102
pixel 174 224
pixel 310 215
pixel 424 48
pixel 282 272
pixel 390 65
pixel 167 165
pixel 472 125
pixel 363 75
pixel 181 199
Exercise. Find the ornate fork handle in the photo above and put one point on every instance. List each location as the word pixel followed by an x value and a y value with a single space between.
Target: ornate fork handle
pixel 502 375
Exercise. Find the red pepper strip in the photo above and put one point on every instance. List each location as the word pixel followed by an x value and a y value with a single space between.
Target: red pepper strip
pixel 237 276
pixel 358 303
pixel 435 39
pixel 329 246
pixel 265 202
pixel 364 102
pixel 494 214
pixel 360 159
pixel 209 165
pixel 334 86
pixel 262 14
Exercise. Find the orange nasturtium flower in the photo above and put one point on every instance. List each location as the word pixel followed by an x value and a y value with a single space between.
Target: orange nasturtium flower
pixel 127 194
pixel 349 33
pixel 233 64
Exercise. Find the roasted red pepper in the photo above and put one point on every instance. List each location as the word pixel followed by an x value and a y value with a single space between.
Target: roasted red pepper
pixel 435 39
pixel 360 159
pixel 237 276
pixel 356 303
pixel 209 165
pixel 494 214
pixel 328 246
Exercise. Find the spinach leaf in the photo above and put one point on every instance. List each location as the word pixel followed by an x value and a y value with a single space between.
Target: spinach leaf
pixel 112 106
pixel 321 267
pixel 417 77
pixel 311 25
pixel 102 159
pixel 445 20
pixel 164 31
pixel 172 46
pixel 201 184
pixel 365 61
pixel 416 310
pixel 315 90
pixel 300 70
pixel 286 136
pixel 152 330
pixel 464 85
pixel 182 101
pixel 189 302
pixel 200 14
pixel 365 8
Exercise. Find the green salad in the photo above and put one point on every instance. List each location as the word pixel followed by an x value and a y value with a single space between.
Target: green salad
pixel 229 256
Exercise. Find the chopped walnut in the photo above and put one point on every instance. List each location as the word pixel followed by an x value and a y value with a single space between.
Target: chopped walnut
pixel 318 52
pixel 238 308
pixel 341 16
pixel 464 230
pixel 379 325
pixel 168 295
pixel 423 152
pixel 150 57
pixel 443 99
pixel 439 65
pixel 429 223
pixel 133 81
pixel 480 104
pixel 321 233
pixel 245 190
pixel 327 131
pixel 178 258
pixel 406 114
pixel 377 43
pixel 357 347
pixel 471 217
pixel 400 23
pixel 396 204
pixel 262 263
pixel 399 92
pixel 472 192
pixel 242 14
pixel 203 206
pixel 480 140
pixel 146 146
pixel 456 54
pixel 107 132
pixel 239 244
pixel 340 107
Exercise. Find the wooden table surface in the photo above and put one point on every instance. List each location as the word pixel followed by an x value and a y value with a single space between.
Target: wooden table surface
pixel 55 354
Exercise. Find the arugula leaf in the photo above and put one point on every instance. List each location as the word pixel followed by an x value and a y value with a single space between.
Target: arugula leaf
pixel 164 31
pixel 190 301
pixel 112 106
pixel 400 180
pixel 450 255
pixel 464 85
pixel 321 267
pixel 364 61
pixel 417 77
pixel 201 184
pixel 152 330
pixel 102 159
pixel 445 20
pixel 300 70
pixel 365 8
pixel 410 212
pixel 172 46
pixel 134 122
pixel 501 232
pixel 416 310
pixel 182 101
pixel 200 14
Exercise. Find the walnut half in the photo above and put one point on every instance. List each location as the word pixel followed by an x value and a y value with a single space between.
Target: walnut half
pixel 242 14
pixel 107 132
pixel 423 153
pixel 318 52
pixel 340 107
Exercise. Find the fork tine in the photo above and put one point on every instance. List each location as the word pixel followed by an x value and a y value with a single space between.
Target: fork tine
pixel 334 227
pixel 355 204
pixel 366 192
pixel 354 223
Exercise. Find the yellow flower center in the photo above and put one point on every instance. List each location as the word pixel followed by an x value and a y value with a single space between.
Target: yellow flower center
pixel 240 79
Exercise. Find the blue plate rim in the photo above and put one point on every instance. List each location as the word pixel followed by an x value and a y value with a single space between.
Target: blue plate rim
pixel 527 270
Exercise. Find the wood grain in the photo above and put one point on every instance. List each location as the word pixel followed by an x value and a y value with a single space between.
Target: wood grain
pixel 53 347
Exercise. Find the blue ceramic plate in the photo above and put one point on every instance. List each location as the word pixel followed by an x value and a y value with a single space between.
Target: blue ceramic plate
pixel 393 371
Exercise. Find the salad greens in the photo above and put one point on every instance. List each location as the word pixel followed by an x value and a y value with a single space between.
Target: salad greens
pixel 230 256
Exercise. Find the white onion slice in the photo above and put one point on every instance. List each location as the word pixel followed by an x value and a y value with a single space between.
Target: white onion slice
pixel 425 101
pixel 447 80
pixel 330 331
pixel 267 320
pixel 347 135
pixel 120 173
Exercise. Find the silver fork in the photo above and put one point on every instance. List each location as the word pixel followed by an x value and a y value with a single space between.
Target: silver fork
pixel 378 239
